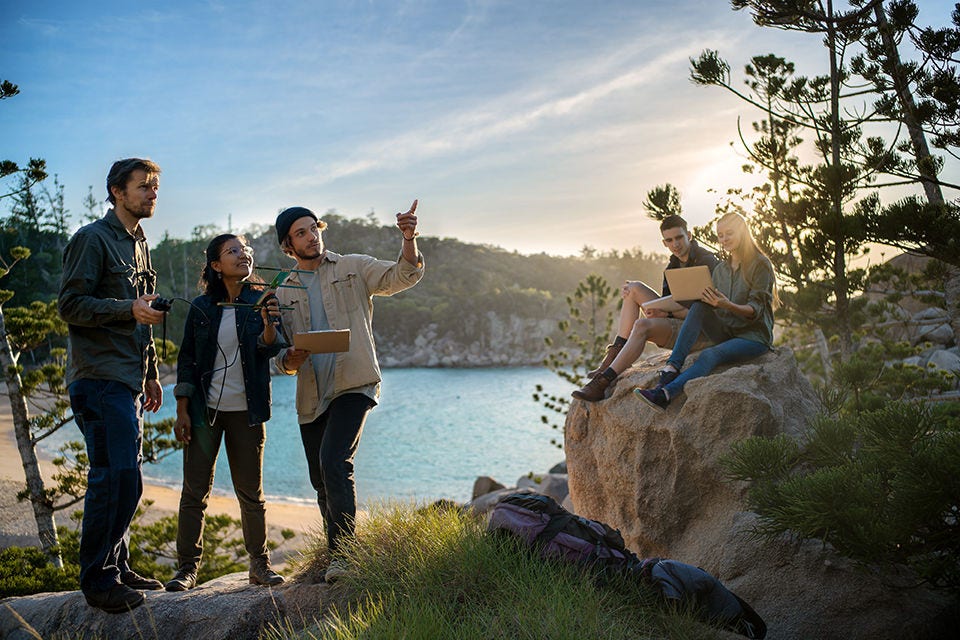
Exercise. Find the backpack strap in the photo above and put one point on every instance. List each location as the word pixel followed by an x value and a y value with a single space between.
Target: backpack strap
pixel 557 524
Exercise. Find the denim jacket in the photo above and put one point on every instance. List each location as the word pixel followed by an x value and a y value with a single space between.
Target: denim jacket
pixel 199 350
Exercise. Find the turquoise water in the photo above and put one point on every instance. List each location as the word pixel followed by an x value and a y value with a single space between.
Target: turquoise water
pixel 433 433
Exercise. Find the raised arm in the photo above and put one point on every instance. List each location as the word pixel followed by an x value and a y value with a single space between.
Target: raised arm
pixel 407 223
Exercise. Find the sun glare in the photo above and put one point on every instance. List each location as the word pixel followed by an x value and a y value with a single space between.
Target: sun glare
pixel 721 170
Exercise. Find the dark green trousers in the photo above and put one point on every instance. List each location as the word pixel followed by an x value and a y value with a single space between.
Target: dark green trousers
pixel 244 444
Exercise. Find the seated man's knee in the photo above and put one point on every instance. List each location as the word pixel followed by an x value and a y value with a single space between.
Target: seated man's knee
pixel 642 326
pixel 638 292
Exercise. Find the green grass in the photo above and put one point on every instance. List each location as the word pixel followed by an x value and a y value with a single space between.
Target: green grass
pixel 435 574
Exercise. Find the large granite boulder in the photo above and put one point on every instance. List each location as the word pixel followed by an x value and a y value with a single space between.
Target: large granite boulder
pixel 656 477
pixel 227 608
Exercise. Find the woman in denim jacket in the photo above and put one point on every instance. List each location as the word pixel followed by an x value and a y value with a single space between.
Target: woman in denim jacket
pixel 223 392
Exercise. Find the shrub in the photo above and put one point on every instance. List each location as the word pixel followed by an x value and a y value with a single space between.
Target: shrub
pixel 881 487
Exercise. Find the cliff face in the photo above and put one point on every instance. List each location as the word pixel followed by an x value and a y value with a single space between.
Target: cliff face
pixel 494 341
pixel 655 476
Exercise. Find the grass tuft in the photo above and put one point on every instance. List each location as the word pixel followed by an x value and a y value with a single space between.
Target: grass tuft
pixel 434 573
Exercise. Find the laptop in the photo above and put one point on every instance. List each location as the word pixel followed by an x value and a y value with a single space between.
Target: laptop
pixel 688 283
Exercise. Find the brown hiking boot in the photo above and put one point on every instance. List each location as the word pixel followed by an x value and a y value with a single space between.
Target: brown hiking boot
pixel 612 351
pixel 261 573
pixel 593 391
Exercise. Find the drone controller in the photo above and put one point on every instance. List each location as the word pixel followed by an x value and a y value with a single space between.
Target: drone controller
pixel 161 304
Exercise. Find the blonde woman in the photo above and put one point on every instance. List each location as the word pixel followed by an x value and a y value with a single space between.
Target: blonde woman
pixel 736 313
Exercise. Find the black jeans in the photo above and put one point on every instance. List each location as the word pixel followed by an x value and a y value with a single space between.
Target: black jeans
pixel 330 443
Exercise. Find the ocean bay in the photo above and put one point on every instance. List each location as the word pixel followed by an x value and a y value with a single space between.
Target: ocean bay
pixel 434 431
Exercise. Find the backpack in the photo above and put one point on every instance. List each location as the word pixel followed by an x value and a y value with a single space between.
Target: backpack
pixel 544 525
pixel 554 533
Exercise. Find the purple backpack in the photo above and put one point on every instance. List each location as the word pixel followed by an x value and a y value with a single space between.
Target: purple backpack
pixel 555 533
pixel 544 525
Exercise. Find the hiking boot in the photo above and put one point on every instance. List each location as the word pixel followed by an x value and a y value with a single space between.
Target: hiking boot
pixel 593 391
pixel 612 351
pixel 262 574
pixel 117 599
pixel 337 569
pixel 666 376
pixel 136 581
pixel 185 578
pixel 656 398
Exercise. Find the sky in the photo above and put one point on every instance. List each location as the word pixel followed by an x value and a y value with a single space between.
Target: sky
pixel 536 126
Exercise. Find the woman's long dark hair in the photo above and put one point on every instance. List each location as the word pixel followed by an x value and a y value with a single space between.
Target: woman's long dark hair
pixel 210 281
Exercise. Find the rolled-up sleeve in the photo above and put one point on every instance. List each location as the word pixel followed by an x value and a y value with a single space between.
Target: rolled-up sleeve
pixel 385 278
pixel 761 282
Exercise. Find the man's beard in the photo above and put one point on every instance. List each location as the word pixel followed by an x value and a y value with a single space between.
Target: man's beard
pixel 304 256
pixel 146 211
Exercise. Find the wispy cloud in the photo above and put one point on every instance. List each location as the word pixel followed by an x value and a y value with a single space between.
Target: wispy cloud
pixel 495 121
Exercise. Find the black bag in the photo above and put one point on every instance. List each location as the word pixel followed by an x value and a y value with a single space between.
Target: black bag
pixel 555 533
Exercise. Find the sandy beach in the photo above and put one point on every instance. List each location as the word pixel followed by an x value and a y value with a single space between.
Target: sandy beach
pixel 17 526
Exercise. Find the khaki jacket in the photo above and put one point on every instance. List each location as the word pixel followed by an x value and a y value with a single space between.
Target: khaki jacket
pixel 348 284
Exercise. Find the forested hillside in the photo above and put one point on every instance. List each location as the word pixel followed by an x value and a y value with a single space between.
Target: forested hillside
pixel 479 299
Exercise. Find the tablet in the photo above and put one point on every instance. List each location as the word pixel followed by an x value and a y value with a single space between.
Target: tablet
pixel 332 341
pixel 688 283
pixel 666 303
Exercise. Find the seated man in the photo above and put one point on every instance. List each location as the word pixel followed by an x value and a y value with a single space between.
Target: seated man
pixel 658 326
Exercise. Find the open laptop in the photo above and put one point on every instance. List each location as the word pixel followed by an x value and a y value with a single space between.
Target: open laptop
pixel 689 282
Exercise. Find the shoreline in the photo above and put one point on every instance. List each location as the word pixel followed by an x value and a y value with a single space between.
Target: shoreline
pixel 18 527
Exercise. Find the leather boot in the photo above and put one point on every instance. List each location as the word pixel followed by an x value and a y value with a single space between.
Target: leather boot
pixel 262 574
pixel 612 351
pixel 186 578
pixel 594 390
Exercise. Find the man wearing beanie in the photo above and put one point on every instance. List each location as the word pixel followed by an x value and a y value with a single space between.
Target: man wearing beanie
pixel 335 391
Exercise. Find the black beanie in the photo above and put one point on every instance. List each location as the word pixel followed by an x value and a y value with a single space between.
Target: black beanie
pixel 287 217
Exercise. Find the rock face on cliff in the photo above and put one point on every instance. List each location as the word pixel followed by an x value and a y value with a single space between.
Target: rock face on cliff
pixel 492 341
pixel 655 476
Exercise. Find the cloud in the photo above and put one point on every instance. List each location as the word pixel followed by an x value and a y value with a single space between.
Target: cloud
pixel 496 120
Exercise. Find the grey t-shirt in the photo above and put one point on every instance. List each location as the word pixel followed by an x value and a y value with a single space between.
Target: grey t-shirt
pixel 323 363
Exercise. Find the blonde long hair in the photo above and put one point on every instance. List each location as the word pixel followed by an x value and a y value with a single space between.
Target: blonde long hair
pixel 749 250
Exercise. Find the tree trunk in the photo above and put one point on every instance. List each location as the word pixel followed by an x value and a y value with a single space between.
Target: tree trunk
pixel 908 109
pixel 921 151
pixel 951 293
pixel 836 194
pixel 42 509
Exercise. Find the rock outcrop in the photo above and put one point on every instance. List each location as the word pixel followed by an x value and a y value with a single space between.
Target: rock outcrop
pixel 656 477
pixel 493 341
pixel 227 608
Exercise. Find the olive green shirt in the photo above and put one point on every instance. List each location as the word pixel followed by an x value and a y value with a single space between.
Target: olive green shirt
pixel 105 268
pixel 750 284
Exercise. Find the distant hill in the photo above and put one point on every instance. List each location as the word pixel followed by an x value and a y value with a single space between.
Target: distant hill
pixel 479 300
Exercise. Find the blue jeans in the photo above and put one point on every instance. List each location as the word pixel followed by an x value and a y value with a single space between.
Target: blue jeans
pixel 727 349
pixel 330 443
pixel 110 417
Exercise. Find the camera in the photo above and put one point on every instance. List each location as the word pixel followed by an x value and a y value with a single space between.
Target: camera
pixel 161 304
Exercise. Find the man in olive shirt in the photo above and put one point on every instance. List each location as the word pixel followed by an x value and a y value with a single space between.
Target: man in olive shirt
pixel 105 295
